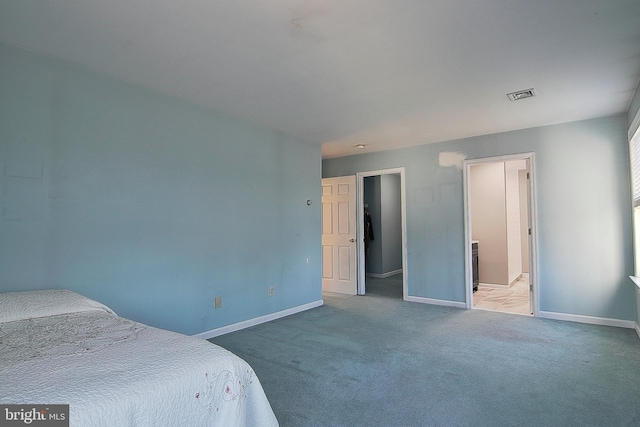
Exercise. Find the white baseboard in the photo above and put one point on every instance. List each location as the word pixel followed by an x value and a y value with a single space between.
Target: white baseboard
pixel 257 320
pixel 604 321
pixel 493 286
pixel 443 302
pixel 384 275
pixel 637 328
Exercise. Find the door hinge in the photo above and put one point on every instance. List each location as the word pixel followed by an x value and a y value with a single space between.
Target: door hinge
pixel 527 175
pixel 529 231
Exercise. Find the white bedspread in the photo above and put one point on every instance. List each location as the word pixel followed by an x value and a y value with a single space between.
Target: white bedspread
pixel 116 372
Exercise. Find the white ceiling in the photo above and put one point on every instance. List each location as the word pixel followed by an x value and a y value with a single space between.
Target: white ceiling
pixel 385 73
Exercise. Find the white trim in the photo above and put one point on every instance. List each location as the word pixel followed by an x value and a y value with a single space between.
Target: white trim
pixel 432 301
pixel 604 321
pixel 360 225
pixel 637 328
pixel 385 275
pixel 635 280
pixel 533 252
pixel 494 285
pixel 257 320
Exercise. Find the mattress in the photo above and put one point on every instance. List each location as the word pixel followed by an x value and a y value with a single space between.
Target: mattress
pixel 58 347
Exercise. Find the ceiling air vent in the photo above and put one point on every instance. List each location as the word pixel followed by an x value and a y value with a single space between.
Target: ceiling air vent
pixel 521 94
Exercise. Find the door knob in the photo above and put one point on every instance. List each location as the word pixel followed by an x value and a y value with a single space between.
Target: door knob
pixel 352 240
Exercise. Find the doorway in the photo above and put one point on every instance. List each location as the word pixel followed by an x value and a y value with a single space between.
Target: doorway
pixel 499 234
pixel 383 205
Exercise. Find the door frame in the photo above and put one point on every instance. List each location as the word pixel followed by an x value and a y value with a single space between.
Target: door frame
pixel 533 241
pixel 361 273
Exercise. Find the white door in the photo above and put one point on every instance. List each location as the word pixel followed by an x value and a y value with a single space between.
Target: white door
pixel 339 235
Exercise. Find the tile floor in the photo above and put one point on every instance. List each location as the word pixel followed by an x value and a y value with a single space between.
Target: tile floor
pixel 514 299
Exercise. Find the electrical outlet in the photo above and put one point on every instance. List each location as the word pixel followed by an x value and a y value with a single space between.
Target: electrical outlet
pixel 271 291
pixel 218 302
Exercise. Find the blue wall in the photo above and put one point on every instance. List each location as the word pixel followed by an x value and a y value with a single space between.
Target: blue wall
pixel 372 198
pixel 583 212
pixel 391 222
pixel 149 204
pixel 382 194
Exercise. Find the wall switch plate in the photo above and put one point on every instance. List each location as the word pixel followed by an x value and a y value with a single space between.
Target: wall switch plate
pixel 271 291
pixel 218 302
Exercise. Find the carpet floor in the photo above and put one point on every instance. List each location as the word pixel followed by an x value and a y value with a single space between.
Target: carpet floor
pixel 378 361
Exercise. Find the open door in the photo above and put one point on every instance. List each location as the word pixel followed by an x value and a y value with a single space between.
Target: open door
pixel 339 235
pixel 516 226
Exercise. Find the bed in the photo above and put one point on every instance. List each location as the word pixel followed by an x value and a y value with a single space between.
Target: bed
pixel 59 347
